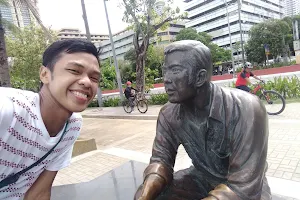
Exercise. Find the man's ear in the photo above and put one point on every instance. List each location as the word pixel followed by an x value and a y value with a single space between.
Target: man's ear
pixel 45 75
pixel 201 77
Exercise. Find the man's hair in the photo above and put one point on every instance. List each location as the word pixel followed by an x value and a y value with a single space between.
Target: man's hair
pixel 199 56
pixel 54 52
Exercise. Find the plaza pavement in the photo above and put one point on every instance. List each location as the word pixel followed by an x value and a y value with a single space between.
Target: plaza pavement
pixel 120 137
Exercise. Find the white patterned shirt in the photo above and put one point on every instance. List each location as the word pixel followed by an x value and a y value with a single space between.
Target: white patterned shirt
pixel 24 139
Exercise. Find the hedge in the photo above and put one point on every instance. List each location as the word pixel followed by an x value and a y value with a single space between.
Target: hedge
pixel 289 87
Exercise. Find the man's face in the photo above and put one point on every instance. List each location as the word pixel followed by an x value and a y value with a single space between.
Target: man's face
pixel 177 74
pixel 74 81
pixel 248 69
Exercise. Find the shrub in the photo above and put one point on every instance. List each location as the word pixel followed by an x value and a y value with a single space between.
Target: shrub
pixel 288 87
pixel 112 102
pixel 158 99
pixel 93 104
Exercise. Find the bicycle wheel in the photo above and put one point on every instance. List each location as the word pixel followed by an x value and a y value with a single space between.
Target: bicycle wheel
pixel 126 106
pixel 142 106
pixel 274 102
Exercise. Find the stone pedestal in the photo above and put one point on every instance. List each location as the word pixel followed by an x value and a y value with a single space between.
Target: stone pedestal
pixel 297 53
pixel 84 146
pixel 120 183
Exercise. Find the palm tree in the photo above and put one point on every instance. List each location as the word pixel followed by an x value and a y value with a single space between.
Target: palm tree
pixel 4 69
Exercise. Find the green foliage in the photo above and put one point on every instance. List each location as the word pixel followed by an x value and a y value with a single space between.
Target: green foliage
pixel 145 21
pixel 159 99
pixel 108 73
pixel 288 87
pixel 112 102
pixel 93 104
pixel 218 54
pixel 280 64
pixel 153 67
pixel 273 32
pixel 26 47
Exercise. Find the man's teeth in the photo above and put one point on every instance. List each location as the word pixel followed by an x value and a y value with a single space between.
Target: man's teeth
pixel 79 94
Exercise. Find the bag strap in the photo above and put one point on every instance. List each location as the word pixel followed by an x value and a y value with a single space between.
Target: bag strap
pixel 14 177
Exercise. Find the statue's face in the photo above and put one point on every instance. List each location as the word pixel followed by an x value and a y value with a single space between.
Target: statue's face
pixel 177 74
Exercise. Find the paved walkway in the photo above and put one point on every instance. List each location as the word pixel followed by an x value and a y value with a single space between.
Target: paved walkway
pixel 120 140
pixel 291 112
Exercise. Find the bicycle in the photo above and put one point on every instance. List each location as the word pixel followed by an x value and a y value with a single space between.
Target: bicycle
pixel 271 97
pixel 139 101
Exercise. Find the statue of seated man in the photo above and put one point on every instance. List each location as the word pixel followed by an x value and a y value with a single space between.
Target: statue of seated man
pixel 223 130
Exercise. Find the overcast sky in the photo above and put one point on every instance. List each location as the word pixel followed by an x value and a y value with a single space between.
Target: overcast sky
pixel 68 14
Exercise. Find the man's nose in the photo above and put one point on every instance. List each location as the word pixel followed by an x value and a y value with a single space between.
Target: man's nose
pixel 85 81
pixel 167 79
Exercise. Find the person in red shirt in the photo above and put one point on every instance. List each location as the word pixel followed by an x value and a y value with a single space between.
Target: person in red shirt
pixel 243 78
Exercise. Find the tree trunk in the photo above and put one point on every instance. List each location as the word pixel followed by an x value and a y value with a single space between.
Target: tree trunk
pixel 4 69
pixel 140 73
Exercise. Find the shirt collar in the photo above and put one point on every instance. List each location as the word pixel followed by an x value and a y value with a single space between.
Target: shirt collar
pixel 216 104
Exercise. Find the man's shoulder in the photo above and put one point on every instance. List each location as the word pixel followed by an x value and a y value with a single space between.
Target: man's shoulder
pixel 17 94
pixel 17 99
pixel 242 99
pixel 169 109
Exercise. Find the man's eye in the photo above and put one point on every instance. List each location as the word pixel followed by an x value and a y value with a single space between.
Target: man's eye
pixel 94 79
pixel 73 71
pixel 175 70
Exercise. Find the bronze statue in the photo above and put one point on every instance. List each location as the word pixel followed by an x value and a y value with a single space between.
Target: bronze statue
pixel 224 131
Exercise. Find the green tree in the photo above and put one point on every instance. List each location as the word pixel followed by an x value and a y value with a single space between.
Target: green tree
pixel 4 69
pixel 187 34
pixel 154 60
pixel 26 48
pixel 191 34
pixel 108 73
pixel 153 64
pixel 218 54
pixel 272 32
pixel 145 22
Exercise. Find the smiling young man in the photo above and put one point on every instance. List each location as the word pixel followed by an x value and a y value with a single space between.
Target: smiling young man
pixel 31 124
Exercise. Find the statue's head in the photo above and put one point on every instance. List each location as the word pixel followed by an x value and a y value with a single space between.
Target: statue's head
pixel 187 69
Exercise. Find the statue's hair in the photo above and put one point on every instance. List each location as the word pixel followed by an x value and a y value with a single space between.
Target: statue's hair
pixel 199 56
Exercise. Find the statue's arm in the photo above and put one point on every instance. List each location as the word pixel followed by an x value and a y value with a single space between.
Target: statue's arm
pixel 247 162
pixel 160 171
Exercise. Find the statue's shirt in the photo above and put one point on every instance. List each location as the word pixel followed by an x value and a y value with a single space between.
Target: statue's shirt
pixel 228 146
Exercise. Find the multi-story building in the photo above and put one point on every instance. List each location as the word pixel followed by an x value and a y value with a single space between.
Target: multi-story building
pixel 291 7
pixel 18 14
pixel 71 33
pixel 123 41
pixel 210 16
pixel 159 7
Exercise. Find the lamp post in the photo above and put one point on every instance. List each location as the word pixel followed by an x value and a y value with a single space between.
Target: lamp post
pixel 228 22
pixel 88 36
pixel 86 24
pixel 242 44
pixel 114 53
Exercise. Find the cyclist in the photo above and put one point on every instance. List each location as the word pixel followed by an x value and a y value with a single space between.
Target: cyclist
pixel 243 78
pixel 129 94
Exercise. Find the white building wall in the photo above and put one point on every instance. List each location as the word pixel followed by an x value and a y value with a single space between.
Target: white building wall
pixel 292 7
pixel 124 42
pixel 211 16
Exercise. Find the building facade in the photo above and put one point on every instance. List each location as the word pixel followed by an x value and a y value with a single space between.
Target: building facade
pixel 123 41
pixel 18 14
pixel 72 33
pixel 291 7
pixel 210 16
